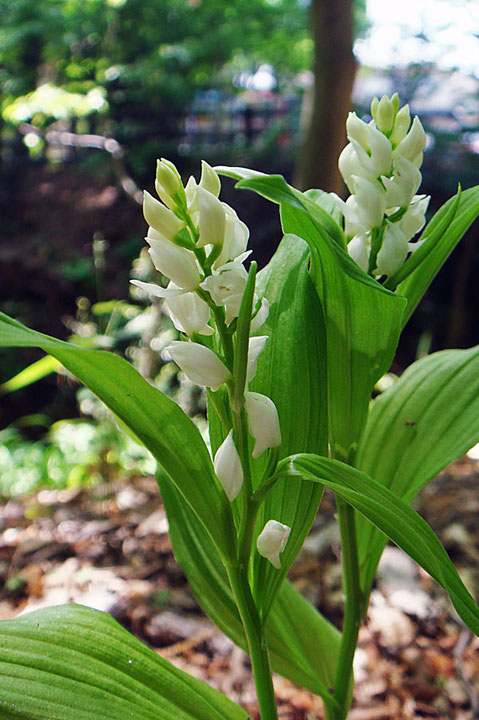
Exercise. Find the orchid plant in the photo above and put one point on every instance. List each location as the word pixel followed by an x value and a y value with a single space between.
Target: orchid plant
pixel 289 358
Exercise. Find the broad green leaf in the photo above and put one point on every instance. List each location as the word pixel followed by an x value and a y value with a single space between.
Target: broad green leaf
pixel 31 374
pixel 415 429
pixel 362 319
pixel 303 645
pixel 393 517
pixel 71 662
pixel 157 421
pixel 445 237
pixel 291 372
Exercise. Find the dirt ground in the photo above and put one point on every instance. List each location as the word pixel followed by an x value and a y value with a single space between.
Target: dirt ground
pixel 109 548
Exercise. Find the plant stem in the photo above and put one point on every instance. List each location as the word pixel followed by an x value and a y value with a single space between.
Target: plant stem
pixel 258 649
pixel 352 609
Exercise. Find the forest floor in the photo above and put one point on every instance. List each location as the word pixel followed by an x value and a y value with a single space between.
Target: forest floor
pixel 108 547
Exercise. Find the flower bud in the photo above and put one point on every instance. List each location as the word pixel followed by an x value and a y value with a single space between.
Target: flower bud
pixel 359 248
pixel 261 316
pixel 160 217
pixel 384 112
pixel 263 422
pixel 226 287
pixel 168 183
pixel 368 204
pixel 189 313
pixel 401 125
pixel 212 219
pixel 393 251
pixel 357 130
pixel 235 238
pixel 414 218
pixel 401 188
pixel 228 468
pixel 349 166
pixel 199 363
pixel 255 348
pixel 177 263
pixel 411 147
pixel 209 179
pixel 272 541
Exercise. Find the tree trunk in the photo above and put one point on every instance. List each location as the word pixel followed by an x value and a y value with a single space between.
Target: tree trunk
pixel 334 71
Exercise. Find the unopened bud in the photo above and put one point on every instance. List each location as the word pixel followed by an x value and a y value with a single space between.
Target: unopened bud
pixel 199 363
pixel 393 251
pixel 384 112
pixel 228 468
pixel 411 147
pixel 401 125
pixel 168 183
pixel 272 541
pixel 160 218
pixel 263 422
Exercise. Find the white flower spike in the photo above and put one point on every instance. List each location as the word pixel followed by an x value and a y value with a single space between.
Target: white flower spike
pixel 199 363
pixel 263 422
pixel 272 541
pixel 228 468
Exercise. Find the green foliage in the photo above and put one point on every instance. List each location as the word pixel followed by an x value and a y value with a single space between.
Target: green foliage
pixel 72 661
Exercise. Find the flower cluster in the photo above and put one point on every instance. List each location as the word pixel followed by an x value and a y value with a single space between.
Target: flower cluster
pixel 380 166
pixel 199 244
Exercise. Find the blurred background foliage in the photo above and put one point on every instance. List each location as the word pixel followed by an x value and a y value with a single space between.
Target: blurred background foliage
pixel 91 93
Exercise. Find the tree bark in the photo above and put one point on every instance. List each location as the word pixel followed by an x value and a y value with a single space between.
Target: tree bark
pixel 334 70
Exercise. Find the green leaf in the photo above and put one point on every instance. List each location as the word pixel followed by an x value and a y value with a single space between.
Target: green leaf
pixel 157 421
pixel 73 662
pixel 291 372
pixel 393 517
pixel 362 319
pixel 415 429
pixel 31 374
pixel 444 237
pixel 303 645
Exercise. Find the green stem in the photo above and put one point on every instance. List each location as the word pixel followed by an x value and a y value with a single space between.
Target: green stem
pixel 258 649
pixel 352 609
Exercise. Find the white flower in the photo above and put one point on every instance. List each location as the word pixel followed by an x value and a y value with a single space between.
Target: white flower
pixel 211 220
pixel 414 218
pixel 261 316
pixel 372 147
pixel 412 145
pixel 401 188
pixel 228 468
pixel 209 179
pixel 365 209
pixel 168 183
pixel 349 166
pixel 160 217
pixel 199 363
pixel 226 287
pixel 177 263
pixel 263 422
pixel 359 248
pixel 393 251
pixel 235 237
pixel 272 541
pixel 189 313
pixel 255 348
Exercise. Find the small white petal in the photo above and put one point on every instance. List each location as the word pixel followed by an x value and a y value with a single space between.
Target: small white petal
pixel 256 345
pixel 226 287
pixel 415 217
pixel 228 468
pixel 272 541
pixel 412 146
pixel 157 290
pixel 263 422
pixel 199 363
pixel 209 179
pixel 177 263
